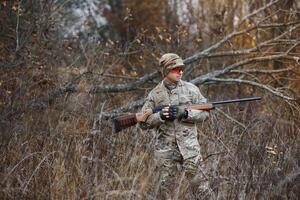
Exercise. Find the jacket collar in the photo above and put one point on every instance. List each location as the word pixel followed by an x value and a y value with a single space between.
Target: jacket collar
pixel 162 84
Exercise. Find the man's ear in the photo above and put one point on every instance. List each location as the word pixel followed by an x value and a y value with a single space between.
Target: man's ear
pixel 162 72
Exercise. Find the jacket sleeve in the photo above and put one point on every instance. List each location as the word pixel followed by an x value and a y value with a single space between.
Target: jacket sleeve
pixel 197 115
pixel 153 120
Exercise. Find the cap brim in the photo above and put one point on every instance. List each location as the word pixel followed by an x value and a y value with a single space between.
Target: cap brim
pixel 177 65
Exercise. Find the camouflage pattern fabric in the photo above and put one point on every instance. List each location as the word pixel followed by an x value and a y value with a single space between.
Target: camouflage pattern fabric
pixel 176 141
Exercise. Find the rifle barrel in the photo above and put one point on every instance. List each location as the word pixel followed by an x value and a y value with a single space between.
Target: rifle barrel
pixel 236 100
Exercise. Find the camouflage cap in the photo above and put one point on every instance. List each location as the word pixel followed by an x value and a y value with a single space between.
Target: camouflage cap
pixel 170 61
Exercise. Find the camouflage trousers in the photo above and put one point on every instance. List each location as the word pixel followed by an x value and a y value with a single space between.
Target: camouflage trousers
pixel 177 158
pixel 180 154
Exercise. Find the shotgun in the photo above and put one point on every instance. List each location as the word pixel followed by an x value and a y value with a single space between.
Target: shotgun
pixel 125 121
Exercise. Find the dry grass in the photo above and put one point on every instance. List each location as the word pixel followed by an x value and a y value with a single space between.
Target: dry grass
pixel 66 160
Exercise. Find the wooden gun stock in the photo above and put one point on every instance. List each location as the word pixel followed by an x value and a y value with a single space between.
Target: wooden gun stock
pixel 125 121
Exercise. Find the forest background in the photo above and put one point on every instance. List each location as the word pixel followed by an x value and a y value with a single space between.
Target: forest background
pixel 68 66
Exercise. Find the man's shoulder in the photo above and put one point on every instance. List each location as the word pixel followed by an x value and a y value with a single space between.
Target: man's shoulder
pixel 157 89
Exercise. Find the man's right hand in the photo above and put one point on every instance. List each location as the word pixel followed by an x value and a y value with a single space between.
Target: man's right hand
pixel 168 113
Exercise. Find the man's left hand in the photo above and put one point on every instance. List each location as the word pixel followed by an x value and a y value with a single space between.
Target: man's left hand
pixel 179 112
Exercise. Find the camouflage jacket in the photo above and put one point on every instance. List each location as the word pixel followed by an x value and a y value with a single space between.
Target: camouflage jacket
pixel 184 93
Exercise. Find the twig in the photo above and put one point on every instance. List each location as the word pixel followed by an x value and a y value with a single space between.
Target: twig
pixel 35 170
pixel 28 156
pixel 262 86
pixel 17 27
pixel 231 118
pixel 97 160
pixel 258 11
pixel 213 154
pixel 263 71
pixel 292 47
pixel 117 76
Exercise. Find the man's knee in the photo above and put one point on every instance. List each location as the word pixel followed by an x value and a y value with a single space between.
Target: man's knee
pixel 190 168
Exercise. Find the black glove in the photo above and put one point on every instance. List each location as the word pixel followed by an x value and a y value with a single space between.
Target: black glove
pixel 182 113
pixel 168 113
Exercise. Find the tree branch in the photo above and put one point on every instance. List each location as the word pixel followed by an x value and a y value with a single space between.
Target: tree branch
pixel 270 89
pixel 257 71
pixel 124 87
pixel 207 77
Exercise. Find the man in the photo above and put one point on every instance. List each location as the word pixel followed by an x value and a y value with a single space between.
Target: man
pixel 176 130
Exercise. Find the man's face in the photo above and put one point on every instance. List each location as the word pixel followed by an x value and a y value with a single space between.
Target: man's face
pixel 175 74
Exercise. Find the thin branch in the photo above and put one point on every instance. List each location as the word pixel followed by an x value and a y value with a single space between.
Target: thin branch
pixel 262 86
pixel 231 118
pixel 213 154
pixel 35 170
pixel 257 71
pixel 23 159
pixel 17 27
pixel 292 47
pixel 258 11
pixel 118 76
